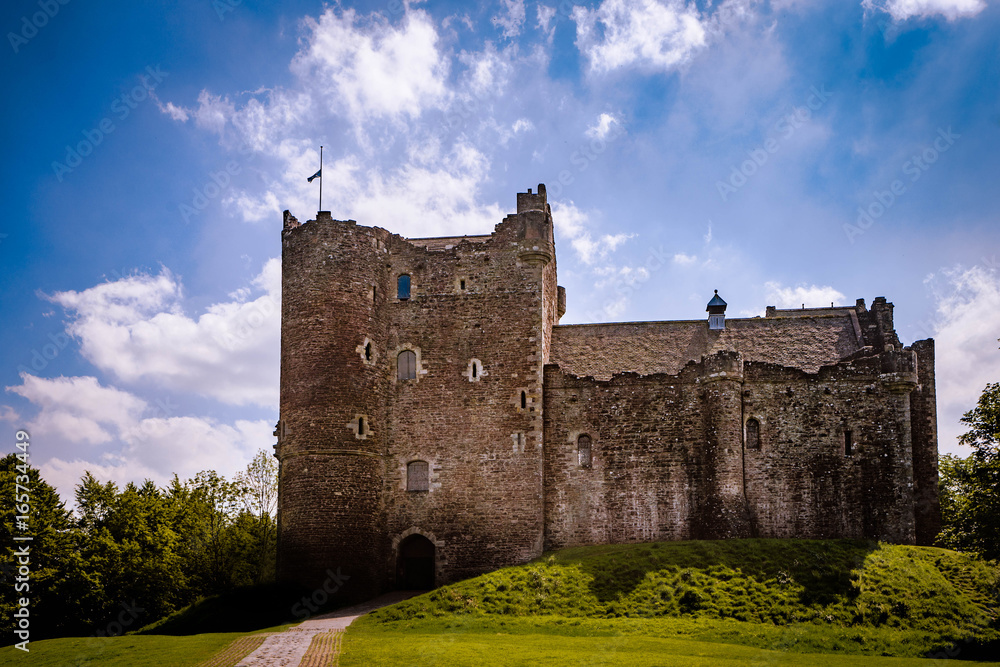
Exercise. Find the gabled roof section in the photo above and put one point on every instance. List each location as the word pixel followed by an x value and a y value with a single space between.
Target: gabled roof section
pixel 601 350
pixel 717 301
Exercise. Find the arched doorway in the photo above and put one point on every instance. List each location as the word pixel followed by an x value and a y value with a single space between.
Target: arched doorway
pixel 415 564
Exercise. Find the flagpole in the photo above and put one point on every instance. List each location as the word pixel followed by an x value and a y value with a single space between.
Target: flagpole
pixel 320 178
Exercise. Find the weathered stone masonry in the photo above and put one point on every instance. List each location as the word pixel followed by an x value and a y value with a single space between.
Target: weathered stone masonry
pixel 443 425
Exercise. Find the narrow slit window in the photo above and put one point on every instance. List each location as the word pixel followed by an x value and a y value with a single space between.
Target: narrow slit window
pixel 374 294
pixel 848 442
pixel 361 425
pixel 583 451
pixel 475 370
pixel 403 287
pixel 753 434
pixel 417 476
pixel 406 365
pixel 524 400
pixel 461 284
pixel 368 351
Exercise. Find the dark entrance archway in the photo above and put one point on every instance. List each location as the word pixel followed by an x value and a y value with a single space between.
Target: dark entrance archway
pixel 415 564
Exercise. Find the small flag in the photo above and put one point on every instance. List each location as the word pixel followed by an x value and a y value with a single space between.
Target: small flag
pixel 316 175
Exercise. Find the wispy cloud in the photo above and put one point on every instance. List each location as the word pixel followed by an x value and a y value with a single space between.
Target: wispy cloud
pixel 811 296
pixel 901 10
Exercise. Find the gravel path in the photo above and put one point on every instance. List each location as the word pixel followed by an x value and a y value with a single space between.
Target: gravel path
pixel 291 648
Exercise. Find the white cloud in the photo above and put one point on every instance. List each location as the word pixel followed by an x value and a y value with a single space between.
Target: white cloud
pixel 136 329
pixel 372 67
pixel 606 122
pixel 966 348
pixel 900 10
pixel 545 24
pixel 572 223
pixel 212 113
pixel 487 73
pixel 142 440
pixel 647 33
pixel 156 448
pixel 684 260
pixel 511 18
pixel 78 409
pixel 9 414
pixel 177 113
pixel 522 125
pixel 813 296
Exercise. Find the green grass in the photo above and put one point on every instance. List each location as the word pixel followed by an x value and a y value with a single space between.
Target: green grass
pixel 126 651
pixel 734 602
pixel 831 596
pixel 559 642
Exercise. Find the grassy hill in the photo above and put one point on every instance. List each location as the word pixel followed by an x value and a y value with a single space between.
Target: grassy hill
pixel 735 602
pixel 800 596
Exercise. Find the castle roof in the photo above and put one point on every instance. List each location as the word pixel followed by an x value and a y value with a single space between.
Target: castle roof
pixel 601 350
pixel 447 242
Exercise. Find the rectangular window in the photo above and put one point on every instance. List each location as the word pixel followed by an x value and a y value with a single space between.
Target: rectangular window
pixel 417 476
pixel 848 443
pixel 583 451
pixel 403 287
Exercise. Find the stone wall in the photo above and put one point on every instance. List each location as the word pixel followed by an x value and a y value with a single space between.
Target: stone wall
pixel 670 460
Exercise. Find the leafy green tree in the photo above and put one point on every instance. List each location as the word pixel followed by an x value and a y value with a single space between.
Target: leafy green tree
pixel 130 545
pixel 970 487
pixel 258 488
pixel 55 576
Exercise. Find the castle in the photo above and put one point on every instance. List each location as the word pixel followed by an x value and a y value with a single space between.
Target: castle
pixel 438 422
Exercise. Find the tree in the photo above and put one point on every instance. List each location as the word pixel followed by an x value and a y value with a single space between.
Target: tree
pixel 258 488
pixel 130 546
pixel 54 570
pixel 970 487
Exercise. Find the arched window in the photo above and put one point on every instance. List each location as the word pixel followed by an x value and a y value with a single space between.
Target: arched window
pixel 417 476
pixel 403 286
pixel 406 365
pixel 753 434
pixel 475 370
pixel 583 451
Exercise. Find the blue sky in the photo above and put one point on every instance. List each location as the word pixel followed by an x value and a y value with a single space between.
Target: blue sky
pixel 782 152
